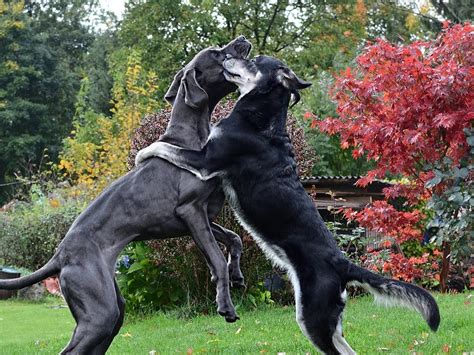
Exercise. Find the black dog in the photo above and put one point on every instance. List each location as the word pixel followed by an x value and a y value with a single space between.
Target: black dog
pixel 251 152
pixel 154 201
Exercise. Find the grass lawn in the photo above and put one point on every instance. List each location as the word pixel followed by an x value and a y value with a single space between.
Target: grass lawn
pixel 27 328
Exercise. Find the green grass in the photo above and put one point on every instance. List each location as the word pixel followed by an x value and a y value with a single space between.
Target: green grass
pixel 27 328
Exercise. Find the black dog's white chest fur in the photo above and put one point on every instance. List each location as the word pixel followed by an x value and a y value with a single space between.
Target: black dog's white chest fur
pixel 276 254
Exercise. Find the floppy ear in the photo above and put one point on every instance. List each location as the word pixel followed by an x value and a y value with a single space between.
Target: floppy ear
pixel 291 81
pixel 194 95
pixel 173 90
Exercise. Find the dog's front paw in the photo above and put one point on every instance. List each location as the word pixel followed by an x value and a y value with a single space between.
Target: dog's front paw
pixel 141 156
pixel 147 152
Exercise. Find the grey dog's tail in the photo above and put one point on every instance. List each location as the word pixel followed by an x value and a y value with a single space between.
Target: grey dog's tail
pixel 392 292
pixel 51 268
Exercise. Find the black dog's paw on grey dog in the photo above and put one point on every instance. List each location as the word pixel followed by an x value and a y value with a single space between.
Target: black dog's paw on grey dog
pixel 252 154
pixel 156 200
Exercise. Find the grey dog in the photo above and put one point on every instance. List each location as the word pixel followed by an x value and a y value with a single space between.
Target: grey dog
pixel 156 200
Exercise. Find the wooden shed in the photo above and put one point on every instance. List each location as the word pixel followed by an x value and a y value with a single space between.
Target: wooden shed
pixel 334 192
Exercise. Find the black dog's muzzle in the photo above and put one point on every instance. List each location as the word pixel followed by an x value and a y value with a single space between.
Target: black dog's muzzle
pixel 238 48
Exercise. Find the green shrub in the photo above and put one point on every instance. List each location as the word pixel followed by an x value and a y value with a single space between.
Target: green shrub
pixel 145 284
pixel 162 274
pixel 31 231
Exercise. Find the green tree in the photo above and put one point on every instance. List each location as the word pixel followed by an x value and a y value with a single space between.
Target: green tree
pixel 97 70
pixel 457 11
pixel 42 50
pixel 169 33
pixel 26 68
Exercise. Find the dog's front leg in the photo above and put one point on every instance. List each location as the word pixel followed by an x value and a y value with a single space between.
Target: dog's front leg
pixel 191 160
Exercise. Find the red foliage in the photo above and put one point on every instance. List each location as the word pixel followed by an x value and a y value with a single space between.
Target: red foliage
pixel 402 268
pixel 405 107
pixel 384 218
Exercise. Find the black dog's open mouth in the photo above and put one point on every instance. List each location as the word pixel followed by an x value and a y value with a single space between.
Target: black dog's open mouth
pixel 229 73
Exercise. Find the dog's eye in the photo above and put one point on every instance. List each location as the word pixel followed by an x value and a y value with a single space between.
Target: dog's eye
pixel 216 54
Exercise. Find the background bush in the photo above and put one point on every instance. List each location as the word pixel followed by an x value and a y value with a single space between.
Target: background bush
pixel 31 231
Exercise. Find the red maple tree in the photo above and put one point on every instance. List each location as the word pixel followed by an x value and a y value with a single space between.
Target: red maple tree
pixel 405 107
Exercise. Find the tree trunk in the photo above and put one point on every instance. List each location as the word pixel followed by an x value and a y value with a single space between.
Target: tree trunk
pixel 443 279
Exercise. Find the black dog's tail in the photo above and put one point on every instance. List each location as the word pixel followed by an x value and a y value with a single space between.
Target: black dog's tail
pixel 51 268
pixel 392 292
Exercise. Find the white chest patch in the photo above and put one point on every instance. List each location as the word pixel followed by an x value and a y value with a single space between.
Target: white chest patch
pixel 276 254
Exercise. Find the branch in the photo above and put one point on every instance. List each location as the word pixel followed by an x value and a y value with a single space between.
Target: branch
pixel 270 24
pixel 444 8
pixel 402 8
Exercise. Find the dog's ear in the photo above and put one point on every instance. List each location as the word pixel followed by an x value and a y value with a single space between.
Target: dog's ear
pixel 194 95
pixel 173 90
pixel 290 80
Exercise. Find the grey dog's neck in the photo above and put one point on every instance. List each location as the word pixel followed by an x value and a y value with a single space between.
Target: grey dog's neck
pixel 188 128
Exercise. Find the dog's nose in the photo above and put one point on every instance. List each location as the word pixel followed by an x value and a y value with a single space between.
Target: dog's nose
pixel 241 38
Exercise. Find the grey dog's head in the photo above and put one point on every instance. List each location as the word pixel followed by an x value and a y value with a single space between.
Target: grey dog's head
pixel 202 80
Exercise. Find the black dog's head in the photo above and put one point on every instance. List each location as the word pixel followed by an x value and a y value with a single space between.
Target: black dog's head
pixel 262 75
pixel 202 79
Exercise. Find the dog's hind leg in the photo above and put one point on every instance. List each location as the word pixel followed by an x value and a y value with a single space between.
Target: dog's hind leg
pixel 338 337
pixel 90 294
pixel 195 217
pixel 233 244
pixel 319 307
pixel 102 348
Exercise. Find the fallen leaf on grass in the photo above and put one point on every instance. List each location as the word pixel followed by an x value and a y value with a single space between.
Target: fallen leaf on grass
pixel 127 335
pixel 446 348
pixel 468 302
pixel 152 352
pixel 238 330
pixel 189 351
pixel 383 349
pixel 418 342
